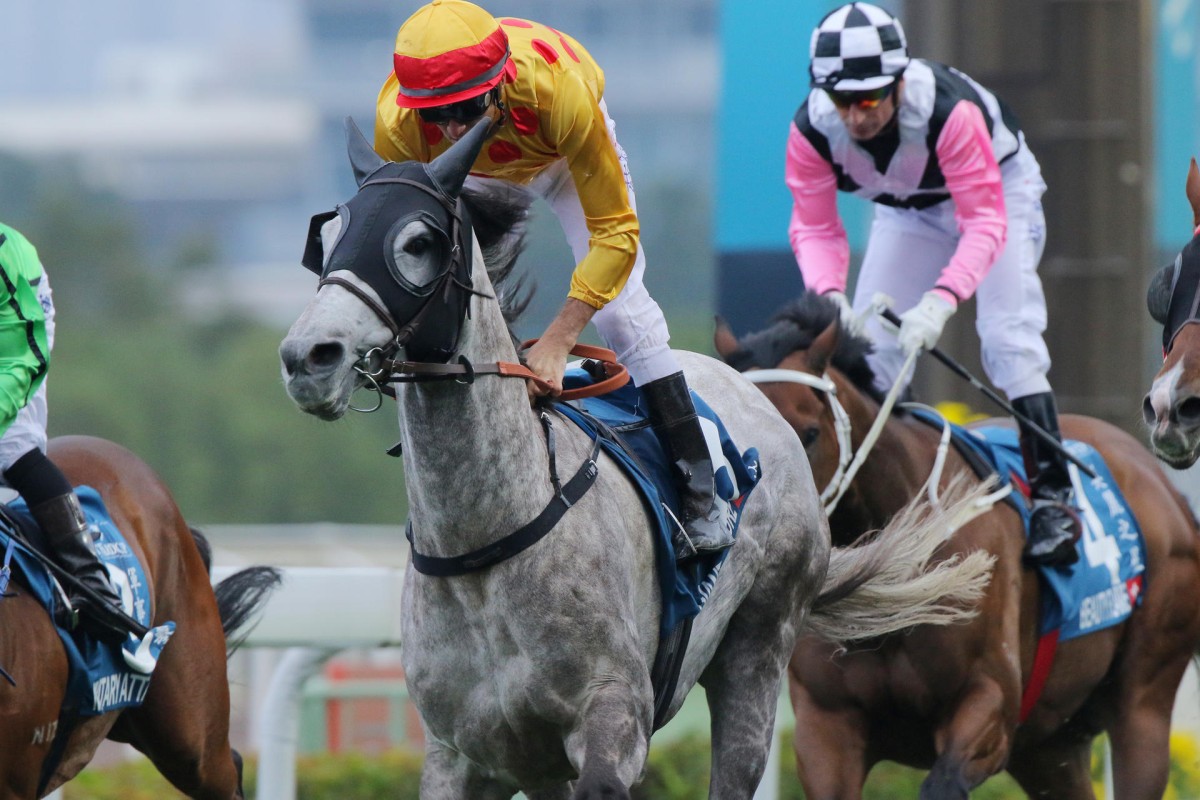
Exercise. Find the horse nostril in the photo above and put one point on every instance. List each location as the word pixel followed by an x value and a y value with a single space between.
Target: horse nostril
pixel 290 356
pixel 1188 411
pixel 326 355
pixel 1148 415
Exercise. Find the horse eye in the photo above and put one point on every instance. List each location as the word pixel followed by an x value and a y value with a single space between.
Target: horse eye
pixel 417 246
pixel 808 436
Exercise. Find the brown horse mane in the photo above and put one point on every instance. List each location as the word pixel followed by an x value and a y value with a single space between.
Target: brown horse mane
pixel 794 327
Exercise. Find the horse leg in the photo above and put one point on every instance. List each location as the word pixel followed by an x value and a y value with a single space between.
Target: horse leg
pixel 610 745
pixel 742 683
pixel 33 657
pixel 184 730
pixel 1140 733
pixel 973 746
pixel 831 747
pixel 447 775
pixel 1058 769
pixel 183 725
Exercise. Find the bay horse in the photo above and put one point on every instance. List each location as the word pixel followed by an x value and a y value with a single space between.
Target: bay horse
pixel 1171 409
pixel 533 673
pixel 183 724
pixel 950 699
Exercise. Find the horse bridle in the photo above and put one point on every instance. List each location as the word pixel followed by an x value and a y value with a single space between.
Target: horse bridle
pixel 453 287
pixel 847 468
pixel 841 420
pixel 844 475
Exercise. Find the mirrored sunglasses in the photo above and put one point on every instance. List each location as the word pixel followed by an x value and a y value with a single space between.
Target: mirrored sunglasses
pixel 463 111
pixel 864 101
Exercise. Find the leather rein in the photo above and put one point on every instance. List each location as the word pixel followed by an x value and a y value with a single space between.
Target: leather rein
pixel 463 371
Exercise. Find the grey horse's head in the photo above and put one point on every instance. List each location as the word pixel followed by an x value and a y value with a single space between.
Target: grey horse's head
pixel 395 263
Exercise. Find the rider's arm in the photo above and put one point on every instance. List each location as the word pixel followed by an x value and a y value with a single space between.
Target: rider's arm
pixel 964 151
pixel 816 232
pixel 580 135
pixel 24 352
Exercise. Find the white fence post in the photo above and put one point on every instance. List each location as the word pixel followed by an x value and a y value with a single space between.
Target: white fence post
pixel 315 613
pixel 281 720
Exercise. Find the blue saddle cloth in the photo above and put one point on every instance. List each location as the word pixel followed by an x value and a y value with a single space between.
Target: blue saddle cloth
pixel 685 587
pixel 1106 584
pixel 101 678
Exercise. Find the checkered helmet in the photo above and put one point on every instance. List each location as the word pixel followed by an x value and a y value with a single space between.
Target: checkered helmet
pixel 857 47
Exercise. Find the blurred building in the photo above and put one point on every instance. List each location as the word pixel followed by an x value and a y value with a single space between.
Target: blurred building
pixel 223 125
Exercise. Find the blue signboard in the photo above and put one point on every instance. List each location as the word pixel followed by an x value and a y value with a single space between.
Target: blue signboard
pixel 1176 119
pixel 764 48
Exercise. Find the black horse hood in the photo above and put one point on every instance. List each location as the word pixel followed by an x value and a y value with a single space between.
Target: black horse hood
pixel 1183 291
pixel 425 318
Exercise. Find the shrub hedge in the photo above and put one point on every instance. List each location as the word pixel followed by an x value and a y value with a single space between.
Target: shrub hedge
pixel 677 770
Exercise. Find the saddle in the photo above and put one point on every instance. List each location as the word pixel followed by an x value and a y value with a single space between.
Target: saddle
pixel 617 420
pixel 102 677
pixel 1102 589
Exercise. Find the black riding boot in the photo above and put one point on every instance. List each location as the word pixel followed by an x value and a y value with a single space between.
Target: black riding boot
pixel 1054 527
pixel 707 519
pixel 56 509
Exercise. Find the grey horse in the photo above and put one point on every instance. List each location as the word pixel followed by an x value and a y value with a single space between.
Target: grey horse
pixel 533 674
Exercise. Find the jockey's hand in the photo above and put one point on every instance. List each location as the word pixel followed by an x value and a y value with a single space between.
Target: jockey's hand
pixel 547 358
pixel 921 326
pixel 845 312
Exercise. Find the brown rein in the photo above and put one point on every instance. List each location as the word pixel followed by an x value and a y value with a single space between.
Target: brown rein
pixel 616 375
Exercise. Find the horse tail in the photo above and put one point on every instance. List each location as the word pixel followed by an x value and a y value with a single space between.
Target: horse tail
pixel 240 595
pixel 886 584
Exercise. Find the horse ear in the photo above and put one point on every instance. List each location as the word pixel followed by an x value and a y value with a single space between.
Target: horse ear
pixel 1193 193
pixel 363 157
pixel 821 351
pixel 724 339
pixel 449 170
pixel 1158 296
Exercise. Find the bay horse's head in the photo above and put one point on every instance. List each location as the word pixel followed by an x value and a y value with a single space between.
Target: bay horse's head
pixel 395 263
pixel 1172 408
pixel 793 357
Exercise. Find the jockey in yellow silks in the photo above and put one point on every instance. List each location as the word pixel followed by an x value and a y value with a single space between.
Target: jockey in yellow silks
pixel 455 64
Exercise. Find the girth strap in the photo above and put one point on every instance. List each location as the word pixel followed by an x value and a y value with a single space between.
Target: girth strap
pixel 520 539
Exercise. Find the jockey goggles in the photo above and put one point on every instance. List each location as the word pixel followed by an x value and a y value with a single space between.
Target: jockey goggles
pixel 463 111
pixel 866 100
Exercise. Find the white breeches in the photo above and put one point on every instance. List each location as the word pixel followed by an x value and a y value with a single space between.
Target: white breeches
pixel 907 252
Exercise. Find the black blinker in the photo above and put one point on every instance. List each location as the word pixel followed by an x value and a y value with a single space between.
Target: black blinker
pixel 313 259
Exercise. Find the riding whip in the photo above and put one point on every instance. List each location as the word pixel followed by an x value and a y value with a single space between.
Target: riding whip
pixel 962 372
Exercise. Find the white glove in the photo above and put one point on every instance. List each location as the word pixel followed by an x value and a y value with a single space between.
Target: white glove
pixel 845 313
pixel 921 325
